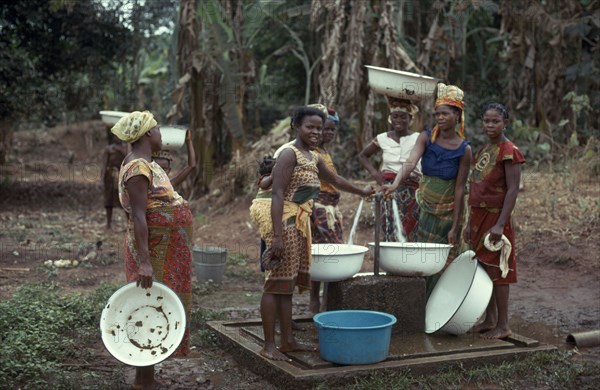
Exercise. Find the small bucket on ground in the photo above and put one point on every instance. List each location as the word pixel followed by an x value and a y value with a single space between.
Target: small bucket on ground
pixel 209 263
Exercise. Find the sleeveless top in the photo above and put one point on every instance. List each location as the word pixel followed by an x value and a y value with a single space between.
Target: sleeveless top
pixel 160 190
pixel 441 162
pixel 395 153
pixel 326 157
pixel 304 184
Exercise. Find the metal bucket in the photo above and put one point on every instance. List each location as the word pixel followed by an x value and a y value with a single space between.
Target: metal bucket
pixel 209 263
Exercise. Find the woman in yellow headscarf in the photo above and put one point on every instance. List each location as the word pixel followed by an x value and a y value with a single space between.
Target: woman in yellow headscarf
pixel 159 233
pixel 445 159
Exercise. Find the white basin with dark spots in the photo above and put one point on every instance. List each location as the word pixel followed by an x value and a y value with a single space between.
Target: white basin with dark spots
pixel 142 327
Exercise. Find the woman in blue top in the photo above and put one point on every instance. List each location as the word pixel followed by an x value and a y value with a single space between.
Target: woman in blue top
pixel 445 160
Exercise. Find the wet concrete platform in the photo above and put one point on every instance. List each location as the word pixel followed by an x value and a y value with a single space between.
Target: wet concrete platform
pixel 419 354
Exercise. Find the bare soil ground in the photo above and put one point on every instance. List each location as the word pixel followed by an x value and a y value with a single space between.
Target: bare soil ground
pixel 51 208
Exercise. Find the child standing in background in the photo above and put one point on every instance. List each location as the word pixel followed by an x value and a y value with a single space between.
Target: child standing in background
pixel 494 186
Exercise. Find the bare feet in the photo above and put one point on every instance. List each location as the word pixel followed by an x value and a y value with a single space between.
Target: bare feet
pixel 274 354
pixel 496 333
pixel 298 347
pixel 295 326
pixel 482 328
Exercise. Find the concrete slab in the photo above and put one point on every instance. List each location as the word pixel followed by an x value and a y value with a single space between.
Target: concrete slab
pixel 421 354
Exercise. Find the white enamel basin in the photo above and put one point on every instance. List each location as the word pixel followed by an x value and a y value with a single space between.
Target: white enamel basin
pixel 336 262
pixel 412 258
pixel 459 298
pixel 112 117
pixel 173 137
pixel 400 84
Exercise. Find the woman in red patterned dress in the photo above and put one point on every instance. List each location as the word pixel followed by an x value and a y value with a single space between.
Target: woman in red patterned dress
pixel 159 234
pixel 494 186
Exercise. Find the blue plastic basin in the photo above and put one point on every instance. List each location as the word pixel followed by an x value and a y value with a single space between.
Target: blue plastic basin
pixel 354 336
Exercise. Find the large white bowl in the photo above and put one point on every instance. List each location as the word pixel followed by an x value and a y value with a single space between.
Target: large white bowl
pixel 173 137
pixel 459 298
pixel 399 84
pixel 336 262
pixel 142 327
pixel 112 117
pixel 412 258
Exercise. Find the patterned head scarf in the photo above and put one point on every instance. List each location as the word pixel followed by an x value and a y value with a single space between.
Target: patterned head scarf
pixel 450 95
pixel 402 105
pixel 131 127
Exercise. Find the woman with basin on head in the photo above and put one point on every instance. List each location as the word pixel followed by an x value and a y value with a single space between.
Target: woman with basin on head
pixel 326 218
pixel 156 212
pixel 396 145
pixel 285 227
pixel 493 190
pixel 445 160
pixel 164 158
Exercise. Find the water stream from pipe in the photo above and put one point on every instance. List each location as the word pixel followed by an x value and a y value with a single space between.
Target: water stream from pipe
pixel 399 230
pixel 356 218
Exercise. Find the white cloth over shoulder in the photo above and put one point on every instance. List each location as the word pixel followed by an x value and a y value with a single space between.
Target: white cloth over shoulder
pixel 505 247
pixel 395 153
pixel 284 146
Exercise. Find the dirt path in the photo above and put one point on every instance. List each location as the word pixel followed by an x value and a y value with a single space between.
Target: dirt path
pixel 51 208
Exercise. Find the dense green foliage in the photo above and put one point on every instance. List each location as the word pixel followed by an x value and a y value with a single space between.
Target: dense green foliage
pixel 42 330
pixel 52 61
pixel 66 60
pixel 232 68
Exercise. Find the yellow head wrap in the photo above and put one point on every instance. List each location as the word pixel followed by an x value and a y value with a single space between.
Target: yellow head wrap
pixel 131 127
pixel 450 95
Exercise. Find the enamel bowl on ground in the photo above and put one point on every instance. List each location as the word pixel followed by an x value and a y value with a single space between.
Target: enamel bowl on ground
pixel 412 258
pixel 399 84
pixel 112 117
pixel 459 298
pixel 336 262
pixel 142 327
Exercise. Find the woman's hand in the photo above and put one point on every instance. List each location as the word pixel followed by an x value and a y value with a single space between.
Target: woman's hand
pixel 496 233
pixel 368 191
pixel 277 247
pixel 467 234
pixel 452 236
pixel 389 188
pixel 145 273
pixel 378 178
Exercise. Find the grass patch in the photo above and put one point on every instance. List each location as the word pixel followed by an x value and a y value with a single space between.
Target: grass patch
pixel 202 336
pixel 200 219
pixel 42 330
pixel 551 370
pixel 238 267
